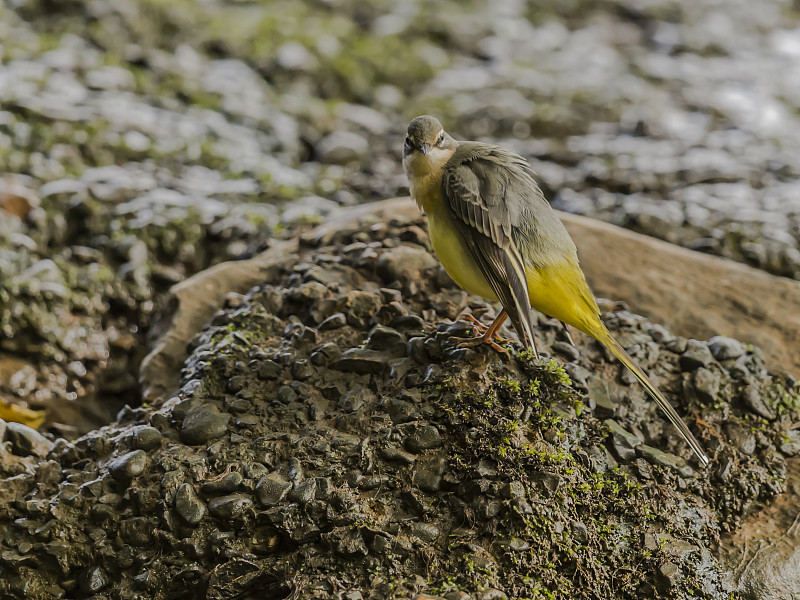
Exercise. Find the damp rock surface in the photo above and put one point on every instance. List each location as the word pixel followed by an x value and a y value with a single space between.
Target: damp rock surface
pixel 495 476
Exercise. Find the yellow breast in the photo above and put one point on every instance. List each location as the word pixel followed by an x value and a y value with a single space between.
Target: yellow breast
pixel 447 242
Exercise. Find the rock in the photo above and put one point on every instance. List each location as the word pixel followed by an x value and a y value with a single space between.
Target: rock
pixel 226 484
pixel 303 493
pixel 342 147
pixel 187 504
pixel 546 483
pixel 696 355
pixel 423 438
pixel 204 423
pixel 754 400
pixel 623 442
pixel 230 507
pixel 362 361
pixel 146 438
pixel 427 532
pixel 268 369
pixel 26 441
pixel 428 474
pixel 725 348
pixel 664 459
pixel 513 489
pixel 666 577
pixel 386 339
pixel 129 465
pixel 579 532
pixel 272 489
pixel 706 384
pixel 741 437
pixel 93 580
pixel 405 263
pixel 335 321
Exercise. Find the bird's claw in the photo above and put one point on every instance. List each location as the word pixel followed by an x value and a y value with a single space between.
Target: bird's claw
pixel 477 341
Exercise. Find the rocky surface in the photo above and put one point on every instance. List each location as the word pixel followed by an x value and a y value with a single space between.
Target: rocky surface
pixel 329 440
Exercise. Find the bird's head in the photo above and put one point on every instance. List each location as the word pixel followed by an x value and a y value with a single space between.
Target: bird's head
pixel 427 146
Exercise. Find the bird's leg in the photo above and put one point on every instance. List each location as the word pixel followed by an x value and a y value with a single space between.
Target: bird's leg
pixel 488 333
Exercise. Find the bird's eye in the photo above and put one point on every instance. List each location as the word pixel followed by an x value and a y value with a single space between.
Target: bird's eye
pixel 441 139
pixel 408 141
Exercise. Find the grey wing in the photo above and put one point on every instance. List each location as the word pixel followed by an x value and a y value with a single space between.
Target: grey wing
pixel 476 191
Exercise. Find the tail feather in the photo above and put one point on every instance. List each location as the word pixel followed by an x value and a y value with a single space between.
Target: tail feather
pixel 609 342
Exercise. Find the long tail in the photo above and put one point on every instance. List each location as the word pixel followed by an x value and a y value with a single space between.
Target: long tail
pixel 609 342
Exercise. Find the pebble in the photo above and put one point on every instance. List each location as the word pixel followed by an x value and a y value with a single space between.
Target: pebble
pixel 623 442
pixel 706 384
pixel 387 339
pixel 546 483
pixel 335 321
pixel 26 441
pixel 272 489
pixel 362 361
pixel 426 437
pixel 753 400
pixel 725 348
pixel 303 493
pixel 204 423
pixel 129 465
pixel 230 507
pixel 268 369
pixel 695 356
pixel 188 505
pixel 664 459
pixel 146 438
pixel 741 437
pixel 428 474
pixel 224 485
pixel 93 580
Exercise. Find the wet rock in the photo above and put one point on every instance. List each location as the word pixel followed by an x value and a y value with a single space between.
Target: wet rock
pixel 623 442
pixel 426 532
pixel 303 492
pixel 579 532
pixel 272 489
pixel 386 339
pixel 724 348
pixel 129 465
pixel 204 423
pixel 335 321
pixel 706 384
pixel 26 441
pixel 226 484
pixel 188 505
pixel 362 361
pixel 136 531
pixel 423 438
pixel 664 459
pixel 268 369
pixel 695 356
pixel 231 506
pixel 146 438
pixel 428 474
pixel 93 580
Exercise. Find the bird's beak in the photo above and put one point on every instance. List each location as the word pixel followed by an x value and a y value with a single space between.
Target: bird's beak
pixel 424 149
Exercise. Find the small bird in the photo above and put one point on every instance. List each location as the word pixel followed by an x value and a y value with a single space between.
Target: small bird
pixel 497 237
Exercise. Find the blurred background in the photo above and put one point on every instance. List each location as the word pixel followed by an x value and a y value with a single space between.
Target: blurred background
pixel 144 140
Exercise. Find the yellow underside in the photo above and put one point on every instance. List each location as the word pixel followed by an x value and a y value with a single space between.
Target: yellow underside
pixel 557 290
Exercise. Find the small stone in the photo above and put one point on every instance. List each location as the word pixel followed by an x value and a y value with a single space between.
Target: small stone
pixel 230 507
pixel 335 321
pixel 362 361
pixel 567 350
pixel 137 531
pixel 191 508
pixel 579 532
pixel 491 594
pixel 272 489
pixel 388 340
pixel 93 580
pixel 424 438
pixel 512 489
pixel 392 453
pixel 666 577
pixel 268 369
pixel 227 484
pixel 426 532
pixel 753 400
pixel 428 474
pixel 129 465
pixel 695 356
pixel 791 443
pixel 725 348
pixel 286 394
pixel 26 441
pixel 741 437
pixel 706 384
pixel 147 438
pixel 664 459
pixel 404 263
pixel 546 483
pixel 415 349
pixel 203 423
pixel 622 441
pixel 302 369
pixel 303 493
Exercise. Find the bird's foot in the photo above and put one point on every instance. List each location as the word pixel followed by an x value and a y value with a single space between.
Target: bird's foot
pixel 481 329
pixel 477 341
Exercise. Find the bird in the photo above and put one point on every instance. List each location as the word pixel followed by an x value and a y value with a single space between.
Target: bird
pixel 497 237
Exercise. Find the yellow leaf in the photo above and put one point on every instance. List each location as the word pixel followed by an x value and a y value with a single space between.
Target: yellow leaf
pixel 18 414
